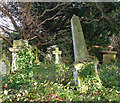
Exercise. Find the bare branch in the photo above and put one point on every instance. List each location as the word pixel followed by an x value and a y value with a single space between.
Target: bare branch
pixel 53 16
pixel 49 41
pixel 6 39
pixel 113 22
pixel 9 15
pixel 2 26
pixel 48 10
pixel 7 32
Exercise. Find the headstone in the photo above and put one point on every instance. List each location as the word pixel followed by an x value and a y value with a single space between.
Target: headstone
pixel 4 65
pixel 50 51
pixel 57 53
pixel 80 52
pixel 4 69
pixel 80 49
pixel 16 46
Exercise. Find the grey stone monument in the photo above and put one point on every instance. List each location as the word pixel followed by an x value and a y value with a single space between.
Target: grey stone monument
pixel 80 49
pixel 80 53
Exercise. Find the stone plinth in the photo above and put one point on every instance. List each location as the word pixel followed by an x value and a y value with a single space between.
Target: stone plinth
pixel 80 75
pixel 109 56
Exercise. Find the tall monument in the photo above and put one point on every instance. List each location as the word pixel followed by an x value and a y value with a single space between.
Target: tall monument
pixel 80 49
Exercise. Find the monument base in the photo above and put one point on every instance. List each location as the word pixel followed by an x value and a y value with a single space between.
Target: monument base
pixel 86 75
pixel 109 57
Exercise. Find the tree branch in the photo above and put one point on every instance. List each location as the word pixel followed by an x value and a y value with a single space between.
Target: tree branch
pixel 113 22
pixel 6 12
pixel 6 39
pixel 7 32
pixel 48 10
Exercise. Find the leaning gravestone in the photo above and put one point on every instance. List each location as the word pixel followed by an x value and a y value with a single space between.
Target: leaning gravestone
pixel 16 46
pixel 80 51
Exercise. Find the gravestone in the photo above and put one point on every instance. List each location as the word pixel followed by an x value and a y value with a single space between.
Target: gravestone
pixel 80 52
pixel 4 67
pixel 57 53
pixel 16 46
pixel 80 49
pixel 50 51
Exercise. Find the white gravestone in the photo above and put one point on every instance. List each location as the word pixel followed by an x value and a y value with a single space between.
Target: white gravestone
pixel 3 68
pixel 57 53
pixel 50 52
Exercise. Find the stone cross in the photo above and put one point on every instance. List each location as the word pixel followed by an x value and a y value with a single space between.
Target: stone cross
pixel 57 53
pixel 16 46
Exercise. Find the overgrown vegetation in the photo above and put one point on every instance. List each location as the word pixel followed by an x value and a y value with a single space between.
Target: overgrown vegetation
pixel 50 82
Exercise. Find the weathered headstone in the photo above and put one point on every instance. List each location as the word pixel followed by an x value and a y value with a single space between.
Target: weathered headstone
pixel 50 51
pixel 16 46
pixel 4 65
pixel 80 49
pixel 57 53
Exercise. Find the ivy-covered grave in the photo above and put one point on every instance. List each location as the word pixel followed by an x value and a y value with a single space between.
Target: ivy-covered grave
pixel 47 81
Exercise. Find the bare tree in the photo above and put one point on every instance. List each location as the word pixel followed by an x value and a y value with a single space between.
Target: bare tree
pixel 26 22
